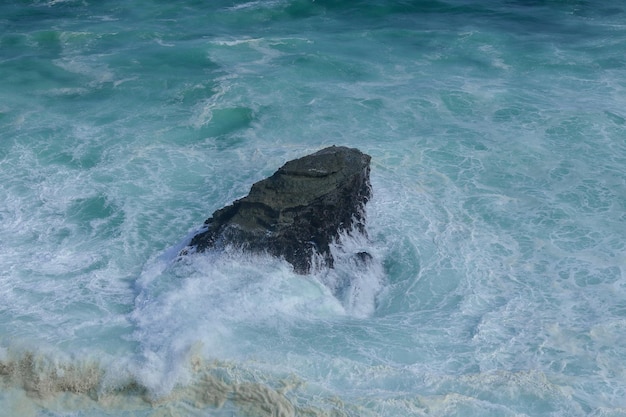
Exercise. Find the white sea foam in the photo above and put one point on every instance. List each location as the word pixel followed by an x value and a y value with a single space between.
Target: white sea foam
pixel 205 299
pixel 496 230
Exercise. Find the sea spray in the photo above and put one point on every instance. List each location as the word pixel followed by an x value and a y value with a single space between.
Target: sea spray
pixel 358 274
pixel 207 296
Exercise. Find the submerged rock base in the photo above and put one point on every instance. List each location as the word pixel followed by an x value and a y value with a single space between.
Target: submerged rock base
pixel 297 212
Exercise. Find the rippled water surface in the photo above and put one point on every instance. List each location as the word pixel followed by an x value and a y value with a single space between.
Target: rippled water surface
pixel 497 132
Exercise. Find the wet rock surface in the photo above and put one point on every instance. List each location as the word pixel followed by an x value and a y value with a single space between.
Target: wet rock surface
pixel 297 212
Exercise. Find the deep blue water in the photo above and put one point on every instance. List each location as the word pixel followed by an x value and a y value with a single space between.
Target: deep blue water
pixel 497 132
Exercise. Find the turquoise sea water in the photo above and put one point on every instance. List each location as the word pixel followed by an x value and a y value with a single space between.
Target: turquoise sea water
pixel 497 131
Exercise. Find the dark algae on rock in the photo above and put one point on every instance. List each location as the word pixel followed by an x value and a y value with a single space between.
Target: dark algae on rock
pixel 298 212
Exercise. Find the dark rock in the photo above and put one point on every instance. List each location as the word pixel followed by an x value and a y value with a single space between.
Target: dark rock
pixel 363 257
pixel 298 211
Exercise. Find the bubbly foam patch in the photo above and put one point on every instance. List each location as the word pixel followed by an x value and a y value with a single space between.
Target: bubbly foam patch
pixel 36 381
pixel 42 377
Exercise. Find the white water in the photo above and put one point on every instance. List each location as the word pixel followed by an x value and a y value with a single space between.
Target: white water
pixel 497 224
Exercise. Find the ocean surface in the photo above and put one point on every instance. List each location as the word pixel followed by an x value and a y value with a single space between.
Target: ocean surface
pixel 497 131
